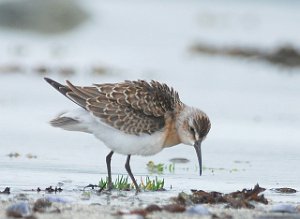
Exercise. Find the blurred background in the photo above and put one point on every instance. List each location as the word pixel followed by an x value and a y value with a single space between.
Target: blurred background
pixel 236 60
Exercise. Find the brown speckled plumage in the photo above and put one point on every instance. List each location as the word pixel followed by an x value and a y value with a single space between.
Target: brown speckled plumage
pixel 133 107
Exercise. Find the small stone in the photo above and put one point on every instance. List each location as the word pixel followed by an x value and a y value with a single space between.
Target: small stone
pixel 41 204
pixel 284 190
pixel 57 199
pixel 174 208
pixel 20 209
pixel 21 197
pixel 132 216
pixel 198 209
pixel 151 208
pixel 179 160
pixel 284 208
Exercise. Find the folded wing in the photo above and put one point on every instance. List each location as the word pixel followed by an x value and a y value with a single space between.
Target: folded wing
pixel 133 107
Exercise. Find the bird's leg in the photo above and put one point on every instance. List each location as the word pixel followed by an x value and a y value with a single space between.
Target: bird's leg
pixel 127 167
pixel 108 161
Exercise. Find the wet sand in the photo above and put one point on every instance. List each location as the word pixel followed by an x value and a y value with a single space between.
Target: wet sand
pixel 116 204
pixel 79 211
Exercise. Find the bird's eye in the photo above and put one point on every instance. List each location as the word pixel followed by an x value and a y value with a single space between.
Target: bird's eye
pixel 192 130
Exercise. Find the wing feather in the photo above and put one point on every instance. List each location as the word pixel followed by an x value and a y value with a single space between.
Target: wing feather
pixel 131 106
pixel 152 98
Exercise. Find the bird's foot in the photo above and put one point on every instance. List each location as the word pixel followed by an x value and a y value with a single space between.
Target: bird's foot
pixel 109 186
pixel 137 191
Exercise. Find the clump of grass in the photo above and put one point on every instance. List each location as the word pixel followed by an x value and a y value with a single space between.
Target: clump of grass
pixel 155 168
pixel 171 168
pixel 122 183
pixel 152 185
pixel 160 167
pixel 103 183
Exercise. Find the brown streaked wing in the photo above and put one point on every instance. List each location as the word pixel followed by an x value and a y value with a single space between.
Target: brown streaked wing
pixel 132 106
pixel 124 118
pixel 151 98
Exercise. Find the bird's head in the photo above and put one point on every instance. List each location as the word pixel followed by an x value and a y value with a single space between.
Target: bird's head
pixel 193 125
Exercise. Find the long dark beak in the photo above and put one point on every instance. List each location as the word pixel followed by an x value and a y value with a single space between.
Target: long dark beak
pixel 197 147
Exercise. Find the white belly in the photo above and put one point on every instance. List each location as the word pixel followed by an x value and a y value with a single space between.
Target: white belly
pixel 126 144
pixel 114 139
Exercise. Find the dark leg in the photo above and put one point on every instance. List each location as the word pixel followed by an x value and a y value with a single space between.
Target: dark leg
pixel 127 167
pixel 108 161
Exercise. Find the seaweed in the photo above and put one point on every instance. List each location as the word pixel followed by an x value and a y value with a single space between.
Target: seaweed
pixel 238 199
pixel 5 191
pixel 173 208
pixel 284 190
pixel 284 55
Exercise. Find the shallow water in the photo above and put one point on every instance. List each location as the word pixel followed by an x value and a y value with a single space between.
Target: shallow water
pixel 254 107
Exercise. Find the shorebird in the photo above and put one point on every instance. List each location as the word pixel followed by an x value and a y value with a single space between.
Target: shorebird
pixel 133 118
